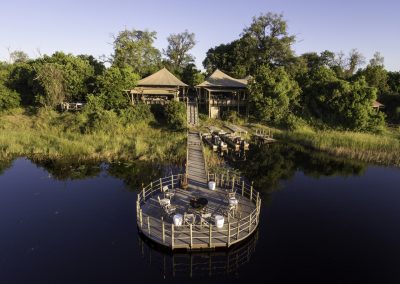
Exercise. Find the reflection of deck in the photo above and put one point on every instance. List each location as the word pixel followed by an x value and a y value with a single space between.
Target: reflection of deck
pixel 239 223
pixel 198 264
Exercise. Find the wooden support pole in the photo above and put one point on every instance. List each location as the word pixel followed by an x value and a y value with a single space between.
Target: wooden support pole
pixel 163 232
pixel 191 235
pixel 257 200
pixel 242 188
pixel 210 236
pixel 141 218
pixel 172 181
pixel 229 234
pixel 172 236
pixel 144 195
pixel 148 224
pixel 251 193
pixel 161 185
pixel 238 230
pixel 233 183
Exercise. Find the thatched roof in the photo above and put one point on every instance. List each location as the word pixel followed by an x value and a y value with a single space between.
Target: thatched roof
pixel 220 79
pixel 161 78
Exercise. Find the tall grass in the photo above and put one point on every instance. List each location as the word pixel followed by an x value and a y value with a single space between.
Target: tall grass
pixel 56 135
pixel 381 148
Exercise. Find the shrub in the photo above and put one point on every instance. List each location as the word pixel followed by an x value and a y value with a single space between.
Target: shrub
pixel 139 112
pixel 175 115
pixel 9 99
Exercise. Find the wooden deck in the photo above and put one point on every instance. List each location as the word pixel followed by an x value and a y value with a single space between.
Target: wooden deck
pixel 155 224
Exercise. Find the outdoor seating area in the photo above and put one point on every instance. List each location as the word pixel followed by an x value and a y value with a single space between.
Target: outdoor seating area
pixel 188 218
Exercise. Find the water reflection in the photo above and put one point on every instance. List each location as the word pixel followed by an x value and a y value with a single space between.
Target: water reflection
pixel 201 264
pixel 268 164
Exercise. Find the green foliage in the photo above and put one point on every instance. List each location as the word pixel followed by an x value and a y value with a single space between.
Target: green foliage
pixel 394 82
pixel 175 115
pixel 191 76
pixel 341 103
pixel 22 79
pixel 376 76
pixel 135 48
pixel 232 116
pixel 51 79
pixel 9 99
pixel 273 94
pixel 136 113
pixel 178 49
pixel 112 86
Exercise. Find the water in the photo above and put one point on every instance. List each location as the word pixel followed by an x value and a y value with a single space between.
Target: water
pixel 323 220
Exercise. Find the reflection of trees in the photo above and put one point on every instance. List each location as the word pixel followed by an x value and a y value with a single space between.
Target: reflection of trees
pixel 63 169
pixel 5 163
pixel 268 164
pixel 136 173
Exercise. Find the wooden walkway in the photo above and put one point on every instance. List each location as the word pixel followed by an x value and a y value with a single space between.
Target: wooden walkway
pixel 197 172
pixel 192 113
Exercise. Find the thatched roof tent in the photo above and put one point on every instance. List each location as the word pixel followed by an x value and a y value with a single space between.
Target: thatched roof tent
pixel 161 78
pixel 222 80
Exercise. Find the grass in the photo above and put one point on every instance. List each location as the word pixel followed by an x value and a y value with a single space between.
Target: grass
pixel 55 135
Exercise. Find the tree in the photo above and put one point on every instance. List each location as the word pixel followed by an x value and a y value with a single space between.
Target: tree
pixel 175 115
pixel 51 79
pixel 266 41
pixel 355 60
pixel 112 86
pixel 274 94
pixel 18 56
pixel 135 48
pixel 8 98
pixel 178 49
pixel 377 60
pixel 339 103
pixel 191 76
pixel 377 77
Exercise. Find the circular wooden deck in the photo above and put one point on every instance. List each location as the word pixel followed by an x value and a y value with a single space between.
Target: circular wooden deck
pixel 157 225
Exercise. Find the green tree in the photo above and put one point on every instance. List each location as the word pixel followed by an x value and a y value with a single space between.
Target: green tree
pixel 112 86
pixel 175 115
pixel 191 76
pixel 18 56
pixel 342 104
pixel 9 99
pixel 274 94
pixel 51 80
pixel 177 52
pixel 135 48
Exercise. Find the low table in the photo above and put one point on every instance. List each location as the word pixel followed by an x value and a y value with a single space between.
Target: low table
pixel 198 203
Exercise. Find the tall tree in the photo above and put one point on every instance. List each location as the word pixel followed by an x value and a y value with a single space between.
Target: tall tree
pixel 266 41
pixel 51 79
pixel 274 93
pixel 377 59
pixel 18 56
pixel 135 48
pixel 178 49
pixel 355 59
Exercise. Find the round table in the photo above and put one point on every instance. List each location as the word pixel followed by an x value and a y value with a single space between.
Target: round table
pixel 199 203
pixel 178 219
pixel 219 221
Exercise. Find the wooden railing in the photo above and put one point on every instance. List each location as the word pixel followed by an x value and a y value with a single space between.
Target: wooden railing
pixel 197 236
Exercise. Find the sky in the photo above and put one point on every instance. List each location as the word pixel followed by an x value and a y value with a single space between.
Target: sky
pixel 86 27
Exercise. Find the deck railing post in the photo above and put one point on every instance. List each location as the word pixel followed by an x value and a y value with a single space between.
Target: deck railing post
pixel 172 182
pixel 251 193
pixel 191 235
pixel 233 183
pixel 163 232
pixel 161 185
pixel 210 236
pixel 144 195
pixel 257 199
pixel 229 234
pixel 242 188
pixel 148 224
pixel 250 223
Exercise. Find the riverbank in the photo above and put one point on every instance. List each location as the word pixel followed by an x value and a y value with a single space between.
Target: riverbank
pixel 57 135
pixel 382 149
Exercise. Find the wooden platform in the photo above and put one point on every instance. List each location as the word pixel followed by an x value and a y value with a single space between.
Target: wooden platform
pixel 239 223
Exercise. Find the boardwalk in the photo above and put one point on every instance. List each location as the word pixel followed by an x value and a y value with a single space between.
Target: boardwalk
pixel 192 114
pixel 197 172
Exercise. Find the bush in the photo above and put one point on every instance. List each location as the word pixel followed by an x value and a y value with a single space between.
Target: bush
pixel 9 99
pixel 175 115
pixel 232 116
pixel 139 112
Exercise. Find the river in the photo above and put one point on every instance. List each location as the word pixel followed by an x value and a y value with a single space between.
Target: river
pixel 323 220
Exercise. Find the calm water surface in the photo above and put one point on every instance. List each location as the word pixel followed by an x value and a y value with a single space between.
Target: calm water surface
pixel 323 220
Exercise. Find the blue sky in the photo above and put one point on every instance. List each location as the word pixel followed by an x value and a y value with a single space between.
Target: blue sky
pixel 87 26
